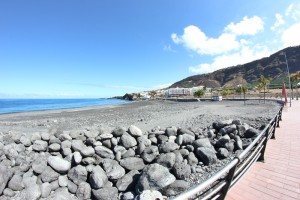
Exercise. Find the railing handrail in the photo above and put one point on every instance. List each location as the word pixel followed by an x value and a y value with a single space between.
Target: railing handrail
pixel 200 188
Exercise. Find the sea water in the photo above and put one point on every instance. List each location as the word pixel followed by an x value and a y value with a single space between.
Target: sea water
pixel 25 105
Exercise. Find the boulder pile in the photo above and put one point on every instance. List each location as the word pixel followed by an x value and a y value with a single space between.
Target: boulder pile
pixel 121 164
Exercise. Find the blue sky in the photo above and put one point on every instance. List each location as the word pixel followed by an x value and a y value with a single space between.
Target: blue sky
pixel 103 48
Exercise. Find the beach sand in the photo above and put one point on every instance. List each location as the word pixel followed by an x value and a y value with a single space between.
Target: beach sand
pixel 144 114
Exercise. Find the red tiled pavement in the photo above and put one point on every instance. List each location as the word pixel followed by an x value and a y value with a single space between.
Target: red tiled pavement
pixel 279 176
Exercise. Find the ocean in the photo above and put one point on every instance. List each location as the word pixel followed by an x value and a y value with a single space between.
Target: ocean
pixel 26 105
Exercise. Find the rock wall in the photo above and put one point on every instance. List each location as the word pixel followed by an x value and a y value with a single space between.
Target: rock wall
pixel 121 164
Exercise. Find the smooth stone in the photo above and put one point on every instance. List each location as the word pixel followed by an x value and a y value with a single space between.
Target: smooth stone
pixel 98 177
pixel 132 163
pixel 128 181
pixel 150 195
pixel 16 183
pixel 84 191
pixel 59 164
pixel 40 145
pixel 46 189
pixel 113 170
pixel 135 131
pixel 49 175
pixel 63 181
pixel 78 174
pixel 54 147
pixel 77 157
pixel 106 193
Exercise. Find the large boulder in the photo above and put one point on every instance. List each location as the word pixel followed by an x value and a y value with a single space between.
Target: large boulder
pixel 154 177
pixel 104 152
pixel 128 140
pixel 132 163
pixel 251 132
pixel 181 170
pixel 202 142
pixel 78 174
pixel 97 177
pixel 112 168
pixel 5 176
pixel 166 159
pixel 106 193
pixel 135 131
pixel 59 164
pixel 175 188
pixel 206 155
pixel 168 147
pixel 128 181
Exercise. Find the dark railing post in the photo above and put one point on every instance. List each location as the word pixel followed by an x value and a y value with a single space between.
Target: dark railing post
pixel 229 178
pixel 275 125
pixel 280 116
pixel 262 156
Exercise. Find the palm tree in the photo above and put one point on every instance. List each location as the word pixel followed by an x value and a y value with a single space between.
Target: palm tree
pixel 262 84
pixel 293 78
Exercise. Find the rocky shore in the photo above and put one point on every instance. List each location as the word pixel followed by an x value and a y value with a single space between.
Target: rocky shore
pixel 143 150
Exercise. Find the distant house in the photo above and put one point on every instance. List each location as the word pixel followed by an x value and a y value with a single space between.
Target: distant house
pixel 175 92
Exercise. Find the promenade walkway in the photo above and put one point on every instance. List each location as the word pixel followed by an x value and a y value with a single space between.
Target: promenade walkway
pixel 279 176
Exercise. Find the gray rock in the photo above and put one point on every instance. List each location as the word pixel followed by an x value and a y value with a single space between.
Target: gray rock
pixel 203 142
pixel 106 193
pixel 40 145
pixel 229 146
pixel 33 192
pixel 222 141
pixel 150 153
pixel 192 160
pixel 106 143
pixel 5 176
pixel 98 177
pixel 92 133
pixel 77 157
pixel 54 140
pixel 114 141
pixel 168 147
pixel 66 144
pixel 29 181
pixel 166 160
pixel 35 136
pixel 246 142
pixel 171 131
pixel 49 175
pixel 162 139
pixel 150 195
pixel 128 181
pixel 135 131
pixel 45 136
pixel 128 140
pixel 54 185
pixel 120 149
pixel 78 174
pixel 25 140
pixel 251 132
pixel 128 196
pixel 87 151
pixel 113 170
pixel 132 163
pixel 129 153
pixel 106 136
pixel 46 189
pixel 181 170
pixel 154 177
pixel 77 145
pixel 228 129
pixel 72 187
pixel 59 164
pixel 242 129
pixel 187 139
pixel 64 137
pixel 223 153
pixel 175 188
pixel 66 151
pixel 238 143
pixel 206 155
pixel 61 194
pixel 140 148
pixel 9 192
pixel 84 191
pixel 16 183
pixel 182 131
pixel 63 181
pixel 237 122
pixel 54 147
pixel 219 124
pixel 88 161
pixel 118 131
pixel 104 152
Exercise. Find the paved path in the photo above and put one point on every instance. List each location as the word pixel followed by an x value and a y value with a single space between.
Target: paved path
pixel 279 176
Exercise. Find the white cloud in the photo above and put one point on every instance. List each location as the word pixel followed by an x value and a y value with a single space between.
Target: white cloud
pixel 193 38
pixel 246 54
pixel 290 37
pixel 168 48
pixel 293 11
pixel 248 26
pixel 279 21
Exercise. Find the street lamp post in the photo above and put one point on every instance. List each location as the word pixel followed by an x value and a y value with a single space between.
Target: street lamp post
pixel 287 66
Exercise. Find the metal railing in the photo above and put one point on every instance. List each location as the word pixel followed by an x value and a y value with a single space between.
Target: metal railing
pixel 217 186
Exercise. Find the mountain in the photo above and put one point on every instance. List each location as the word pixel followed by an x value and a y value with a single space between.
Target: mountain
pixel 273 66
